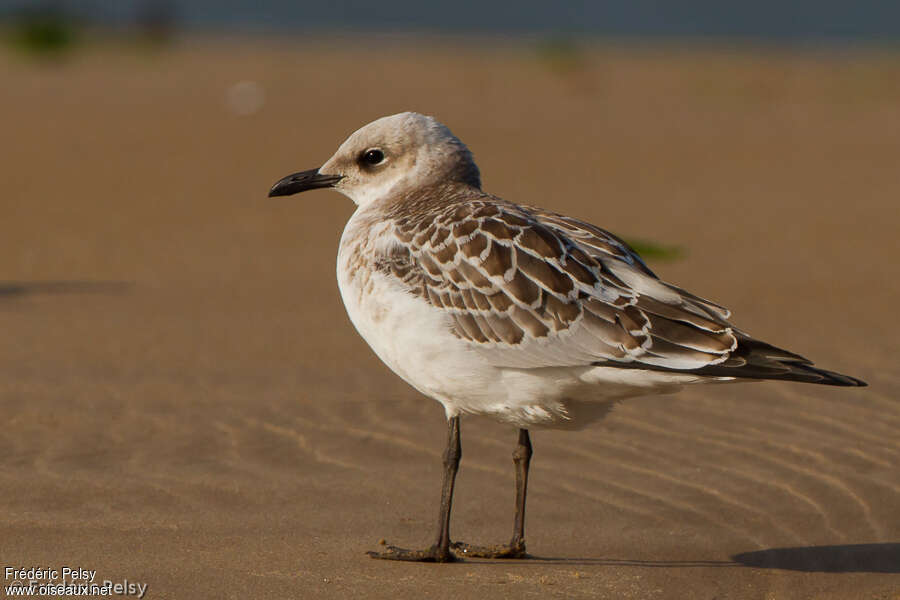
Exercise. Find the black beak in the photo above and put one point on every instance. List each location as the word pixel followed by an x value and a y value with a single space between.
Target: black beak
pixel 302 181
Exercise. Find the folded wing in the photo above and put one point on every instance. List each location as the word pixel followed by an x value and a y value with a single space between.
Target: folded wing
pixel 529 288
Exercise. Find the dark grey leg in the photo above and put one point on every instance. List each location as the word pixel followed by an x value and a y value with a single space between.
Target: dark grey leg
pixel 522 460
pixel 440 551
pixel 516 546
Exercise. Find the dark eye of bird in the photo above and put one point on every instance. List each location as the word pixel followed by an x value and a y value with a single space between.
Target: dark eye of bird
pixel 373 156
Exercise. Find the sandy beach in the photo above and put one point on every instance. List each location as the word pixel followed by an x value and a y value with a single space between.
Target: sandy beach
pixel 186 405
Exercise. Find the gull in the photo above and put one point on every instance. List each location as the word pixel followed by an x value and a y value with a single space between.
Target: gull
pixel 513 312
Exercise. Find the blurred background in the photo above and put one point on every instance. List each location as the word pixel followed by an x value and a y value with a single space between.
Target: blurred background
pixel 672 105
pixel 141 134
pixel 186 398
pixel 766 19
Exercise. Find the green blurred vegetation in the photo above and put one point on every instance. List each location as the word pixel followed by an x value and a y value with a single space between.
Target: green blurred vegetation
pixel 47 33
pixel 653 251
pixel 561 54
pixel 42 33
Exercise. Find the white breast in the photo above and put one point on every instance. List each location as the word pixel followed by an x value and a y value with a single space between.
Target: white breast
pixel 408 334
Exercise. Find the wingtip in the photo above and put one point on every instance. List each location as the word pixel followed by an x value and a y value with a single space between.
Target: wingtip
pixel 839 379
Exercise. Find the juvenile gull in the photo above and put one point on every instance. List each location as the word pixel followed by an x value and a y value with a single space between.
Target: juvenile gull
pixel 515 312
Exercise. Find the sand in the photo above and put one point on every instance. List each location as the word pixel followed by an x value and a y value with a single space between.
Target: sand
pixel 185 404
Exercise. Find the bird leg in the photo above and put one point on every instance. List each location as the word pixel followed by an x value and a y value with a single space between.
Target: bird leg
pixel 516 546
pixel 440 550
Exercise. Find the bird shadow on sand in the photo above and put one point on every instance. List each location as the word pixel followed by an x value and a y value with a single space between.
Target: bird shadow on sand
pixel 848 558
pixel 17 289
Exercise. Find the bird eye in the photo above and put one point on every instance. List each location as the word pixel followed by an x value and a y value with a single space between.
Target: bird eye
pixel 372 157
